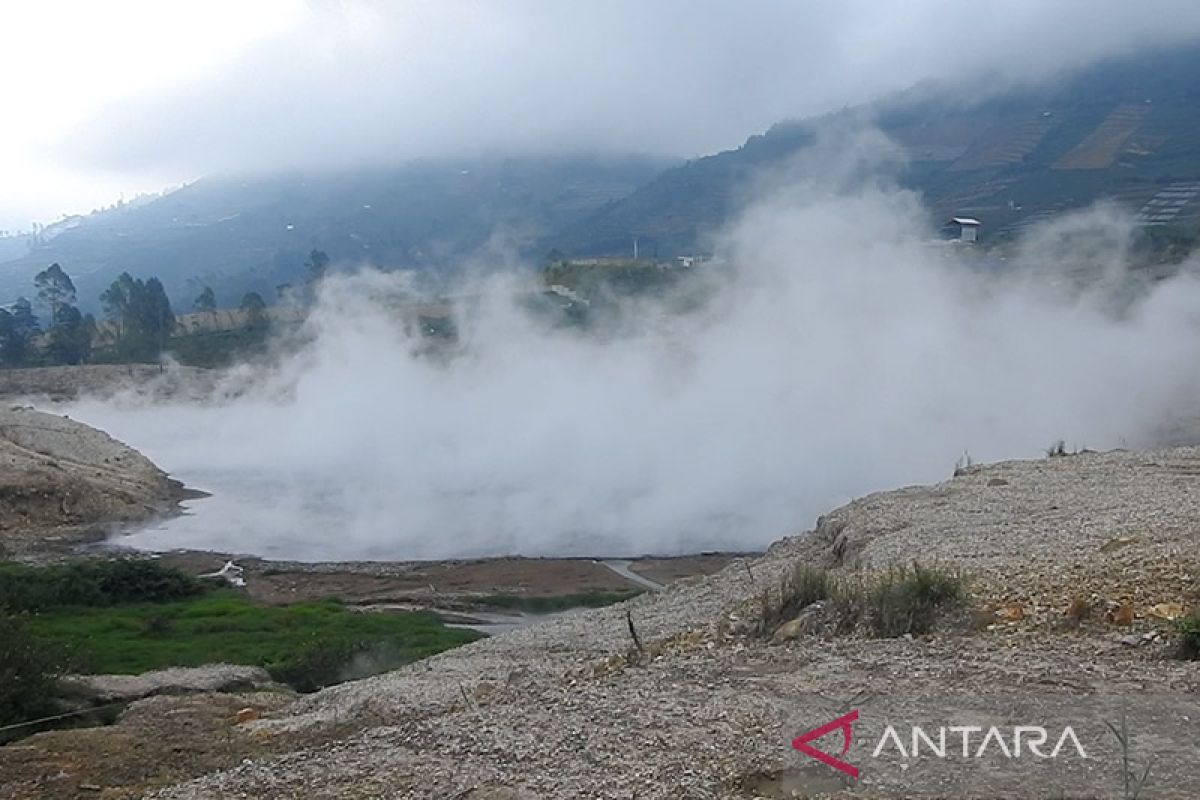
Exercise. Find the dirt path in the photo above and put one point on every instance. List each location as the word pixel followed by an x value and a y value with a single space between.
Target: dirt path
pixel 623 568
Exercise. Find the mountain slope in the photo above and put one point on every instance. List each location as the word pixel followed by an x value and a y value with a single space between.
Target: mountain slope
pixel 256 233
pixel 1128 129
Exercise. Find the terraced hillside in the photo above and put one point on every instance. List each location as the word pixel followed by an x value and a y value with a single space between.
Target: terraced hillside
pixel 1124 129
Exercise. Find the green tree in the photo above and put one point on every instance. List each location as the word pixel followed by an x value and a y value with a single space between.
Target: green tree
pixel 71 338
pixel 155 315
pixel 143 315
pixel 115 302
pixel 25 321
pixel 206 301
pixel 54 290
pixel 13 344
pixel 318 266
pixel 255 309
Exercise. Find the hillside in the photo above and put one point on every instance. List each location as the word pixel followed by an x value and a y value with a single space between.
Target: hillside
pixel 1127 129
pixel 61 480
pixel 253 234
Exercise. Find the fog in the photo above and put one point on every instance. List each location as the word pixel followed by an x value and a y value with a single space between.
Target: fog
pixel 843 351
pixel 142 95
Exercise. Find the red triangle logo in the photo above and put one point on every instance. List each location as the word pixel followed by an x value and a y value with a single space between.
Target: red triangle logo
pixel 843 723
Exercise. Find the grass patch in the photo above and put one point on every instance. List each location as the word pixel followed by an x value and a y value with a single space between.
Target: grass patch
pixel 307 645
pixel 134 615
pixel 561 602
pixel 895 602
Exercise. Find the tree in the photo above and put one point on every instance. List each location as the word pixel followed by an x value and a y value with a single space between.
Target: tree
pixel 24 320
pixel 71 339
pixel 143 315
pixel 12 343
pixel 206 301
pixel 54 290
pixel 255 309
pixel 115 302
pixel 318 266
pixel 156 317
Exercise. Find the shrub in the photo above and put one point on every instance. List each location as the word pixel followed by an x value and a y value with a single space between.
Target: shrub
pixel 898 601
pixel 93 583
pixel 911 599
pixel 1189 637
pixel 28 673
pixel 798 589
pixel 328 662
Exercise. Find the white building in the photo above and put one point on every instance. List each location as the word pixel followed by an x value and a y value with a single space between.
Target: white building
pixel 968 228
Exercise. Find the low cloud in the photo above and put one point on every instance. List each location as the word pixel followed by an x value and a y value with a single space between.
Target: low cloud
pixel 365 82
pixel 844 351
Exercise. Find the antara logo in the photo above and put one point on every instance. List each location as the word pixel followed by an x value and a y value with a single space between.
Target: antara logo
pixel 976 742
pixel 843 723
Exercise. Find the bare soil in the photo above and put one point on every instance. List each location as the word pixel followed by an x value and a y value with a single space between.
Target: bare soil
pixel 441 584
pixel 156 741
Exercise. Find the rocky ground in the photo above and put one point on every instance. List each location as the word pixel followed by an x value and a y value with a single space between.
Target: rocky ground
pixel 1076 564
pixel 62 482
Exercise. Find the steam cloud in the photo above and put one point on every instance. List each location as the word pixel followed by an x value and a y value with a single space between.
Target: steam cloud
pixel 844 353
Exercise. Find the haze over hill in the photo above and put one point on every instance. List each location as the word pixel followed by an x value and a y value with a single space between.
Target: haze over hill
pixel 1126 129
pixel 253 234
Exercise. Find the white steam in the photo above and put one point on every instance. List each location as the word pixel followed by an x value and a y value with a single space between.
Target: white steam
pixel 844 353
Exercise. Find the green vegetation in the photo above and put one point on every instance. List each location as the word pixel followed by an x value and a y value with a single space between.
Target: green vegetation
pixel 1189 637
pixel 307 645
pixel 219 348
pixel 134 615
pixel 798 590
pixel 894 602
pixel 206 301
pixel 142 314
pixel 898 601
pixel 561 602
pixel 93 583
pixel 28 672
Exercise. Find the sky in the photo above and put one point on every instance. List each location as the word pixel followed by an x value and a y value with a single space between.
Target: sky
pixel 110 99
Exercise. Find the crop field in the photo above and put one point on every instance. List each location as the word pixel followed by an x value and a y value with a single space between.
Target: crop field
pixel 1099 149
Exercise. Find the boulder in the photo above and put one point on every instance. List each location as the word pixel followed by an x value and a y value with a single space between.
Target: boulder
pixel 177 680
